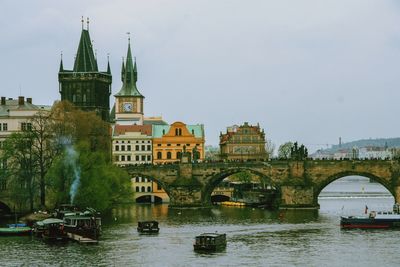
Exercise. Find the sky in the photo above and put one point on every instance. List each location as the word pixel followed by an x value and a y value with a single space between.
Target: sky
pixel 307 70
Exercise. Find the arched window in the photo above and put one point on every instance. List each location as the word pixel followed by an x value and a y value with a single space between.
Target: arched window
pixel 143 189
pixel 159 155
pixel 176 131
pixel 149 189
pixel 137 189
pixel 168 155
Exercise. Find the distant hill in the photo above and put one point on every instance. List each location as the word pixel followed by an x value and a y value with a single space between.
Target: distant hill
pixel 381 142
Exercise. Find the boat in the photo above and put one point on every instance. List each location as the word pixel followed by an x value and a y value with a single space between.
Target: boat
pixel 51 229
pixel 381 219
pixel 65 209
pixel 15 230
pixel 148 227
pixel 82 225
pixel 210 242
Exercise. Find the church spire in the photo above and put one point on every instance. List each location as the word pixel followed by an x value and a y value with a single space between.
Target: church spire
pixel 61 64
pixel 129 73
pixel 108 64
pixel 122 70
pixel 85 60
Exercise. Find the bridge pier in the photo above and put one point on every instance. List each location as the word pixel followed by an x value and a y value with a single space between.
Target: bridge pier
pixel 185 197
pixel 298 197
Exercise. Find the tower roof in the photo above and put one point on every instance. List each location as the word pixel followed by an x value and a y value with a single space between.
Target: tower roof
pixel 129 77
pixel 85 60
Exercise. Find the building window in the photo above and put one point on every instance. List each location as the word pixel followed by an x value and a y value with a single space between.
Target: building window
pixel 193 131
pixel 178 155
pixel 117 148
pixel 178 144
pixel 148 189
pixel 26 126
pixel 137 158
pixel 159 155
pixel 122 148
pixel 178 131
pixel 122 158
pixel 5 127
pixel 187 144
pixel 143 157
pixel 158 144
pixel 137 147
pixel 128 158
pixel 137 179
pixel 149 147
pixel 168 144
pixel 137 189
pixel 148 158
pixel 143 147
pixel 128 148
pixel 168 155
pixel 143 189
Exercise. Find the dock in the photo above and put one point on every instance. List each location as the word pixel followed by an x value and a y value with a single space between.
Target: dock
pixel 82 239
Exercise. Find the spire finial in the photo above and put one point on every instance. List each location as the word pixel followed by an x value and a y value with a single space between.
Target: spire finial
pixel 129 37
pixel 82 22
pixel 108 56
pixel 61 54
pixel 87 23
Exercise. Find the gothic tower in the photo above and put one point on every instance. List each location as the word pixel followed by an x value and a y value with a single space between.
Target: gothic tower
pixel 85 86
pixel 129 101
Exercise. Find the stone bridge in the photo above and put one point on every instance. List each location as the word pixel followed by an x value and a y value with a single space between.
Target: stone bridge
pixel 298 182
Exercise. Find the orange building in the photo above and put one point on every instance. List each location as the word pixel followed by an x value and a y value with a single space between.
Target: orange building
pixel 170 141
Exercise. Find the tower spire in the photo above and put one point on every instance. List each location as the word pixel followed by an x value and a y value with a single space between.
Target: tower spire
pixel 61 63
pixel 82 21
pixel 87 23
pixel 129 75
pixel 122 70
pixel 108 64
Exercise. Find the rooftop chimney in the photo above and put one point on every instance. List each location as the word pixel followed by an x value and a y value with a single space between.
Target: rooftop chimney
pixel 29 100
pixel 3 100
pixel 21 100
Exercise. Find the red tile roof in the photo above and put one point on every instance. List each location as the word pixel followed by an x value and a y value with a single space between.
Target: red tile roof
pixel 122 129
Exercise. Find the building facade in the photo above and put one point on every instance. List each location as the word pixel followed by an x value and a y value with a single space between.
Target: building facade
pixel 171 141
pixel 15 116
pixel 245 142
pixel 85 86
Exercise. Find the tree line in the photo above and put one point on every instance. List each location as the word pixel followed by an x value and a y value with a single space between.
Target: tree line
pixel 64 156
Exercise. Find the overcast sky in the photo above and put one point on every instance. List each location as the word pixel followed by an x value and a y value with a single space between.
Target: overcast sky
pixel 306 70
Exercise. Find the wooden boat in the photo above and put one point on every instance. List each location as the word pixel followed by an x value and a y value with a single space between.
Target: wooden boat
pixel 210 242
pixel 148 227
pixel 65 209
pixel 85 224
pixel 12 230
pixel 51 229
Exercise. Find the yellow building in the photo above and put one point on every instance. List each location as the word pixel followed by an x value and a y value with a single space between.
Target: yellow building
pixel 170 141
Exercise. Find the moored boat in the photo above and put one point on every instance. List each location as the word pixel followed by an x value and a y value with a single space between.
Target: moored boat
pixel 51 229
pixel 378 220
pixel 148 227
pixel 85 224
pixel 210 242
pixel 15 230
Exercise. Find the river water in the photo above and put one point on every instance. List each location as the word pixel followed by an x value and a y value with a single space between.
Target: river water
pixel 255 237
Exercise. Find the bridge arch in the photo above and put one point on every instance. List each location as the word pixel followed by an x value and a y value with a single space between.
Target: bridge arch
pixel 162 184
pixel 343 174
pixel 4 208
pixel 219 177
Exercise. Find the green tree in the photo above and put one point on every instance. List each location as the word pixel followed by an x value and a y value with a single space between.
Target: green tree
pixel 284 150
pixel 21 168
pixel 101 184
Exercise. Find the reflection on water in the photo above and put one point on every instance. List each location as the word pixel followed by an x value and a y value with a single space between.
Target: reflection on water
pixel 255 237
